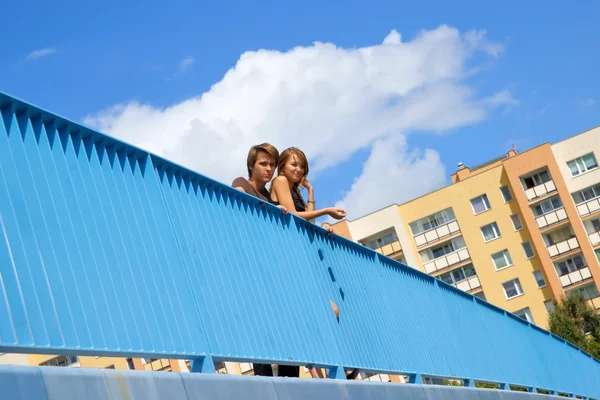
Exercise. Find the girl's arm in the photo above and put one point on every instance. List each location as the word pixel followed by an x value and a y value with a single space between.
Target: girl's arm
pixel 310 206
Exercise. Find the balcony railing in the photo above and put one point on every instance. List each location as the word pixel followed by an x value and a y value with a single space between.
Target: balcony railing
pixel 446 260
pixel 240 280
pixel 551 218
pixel 540 190
pixel 589 207
pixel 468 284
pixel 435 234
pixel 389 249
pixel 575 277
pixel 563 247
pixel 594 238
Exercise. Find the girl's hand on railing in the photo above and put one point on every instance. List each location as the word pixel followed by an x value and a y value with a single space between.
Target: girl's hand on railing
pixel 336 310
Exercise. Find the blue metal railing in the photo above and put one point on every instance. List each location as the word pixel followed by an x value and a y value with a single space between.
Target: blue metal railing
pixel 110 250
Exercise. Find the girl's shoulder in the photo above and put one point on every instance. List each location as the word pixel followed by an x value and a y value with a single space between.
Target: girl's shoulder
pixel 280 178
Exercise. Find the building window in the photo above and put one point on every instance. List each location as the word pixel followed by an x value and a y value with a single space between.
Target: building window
pixel 549 304
pixel 536 179
pixel 582 164
pixel 516 220
pixel 597 254
pixel 559 235
pixel 588 292
pixel 525 314
pixel 569 265
pixel 480 204
pixel 539 278
pixel 528 250
pixel 592 226
pixel 490 232
pixel 111 366
pixel 459 274
pixel 501 259
pixel 547 206
pixel 506 194
pixel 432 221
pixel 512 288
pixel 586 194
pixel 443 249
pixel 480 295
pixel 130 364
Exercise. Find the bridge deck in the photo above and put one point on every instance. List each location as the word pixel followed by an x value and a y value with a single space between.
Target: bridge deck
pixel 27 383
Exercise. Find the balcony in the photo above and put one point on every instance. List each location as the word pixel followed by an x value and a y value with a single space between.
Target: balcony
pixel 551 218
pixel 540 190
pixel 389 249
pixel 157 364
pixel 435 234
pixel 594 238
pixel 468 284
pixel 446 260
pixel 589 207
pixel 575 277
pixel 594 303
pixel 563 247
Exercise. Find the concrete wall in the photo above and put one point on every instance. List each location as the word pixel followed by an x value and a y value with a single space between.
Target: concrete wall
pixel 381 220
pixel 572 148
pixel 26 383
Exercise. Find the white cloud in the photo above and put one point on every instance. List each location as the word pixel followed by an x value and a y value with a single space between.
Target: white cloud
pixel 477 40
pixel 502 98
pixel 186 64
pixel 393 37
pixel 329 101
pixel 589 102
pixel 393 174
pixel 37 54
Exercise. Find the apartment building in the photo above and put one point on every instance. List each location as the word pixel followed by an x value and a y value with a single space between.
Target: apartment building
pixel 45 360
pixel 518 231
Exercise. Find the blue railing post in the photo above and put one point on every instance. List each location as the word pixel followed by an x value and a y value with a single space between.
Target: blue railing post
pixel 415 378
pixel 203 364
pixel 336 372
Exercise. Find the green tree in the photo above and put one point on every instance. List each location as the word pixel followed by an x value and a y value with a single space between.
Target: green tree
pixel 574 320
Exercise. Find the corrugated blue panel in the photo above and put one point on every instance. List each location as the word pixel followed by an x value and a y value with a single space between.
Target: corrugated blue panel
pixel 106 249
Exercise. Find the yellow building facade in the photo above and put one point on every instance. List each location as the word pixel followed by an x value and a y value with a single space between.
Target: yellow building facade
pixel 518 231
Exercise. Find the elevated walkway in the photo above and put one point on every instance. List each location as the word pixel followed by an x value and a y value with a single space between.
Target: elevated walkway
pixel 108 250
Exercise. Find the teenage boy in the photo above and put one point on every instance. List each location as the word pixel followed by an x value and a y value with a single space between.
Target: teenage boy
pixel 261 163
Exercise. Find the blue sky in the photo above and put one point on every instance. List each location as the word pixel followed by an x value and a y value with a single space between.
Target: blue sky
pixel 89 59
